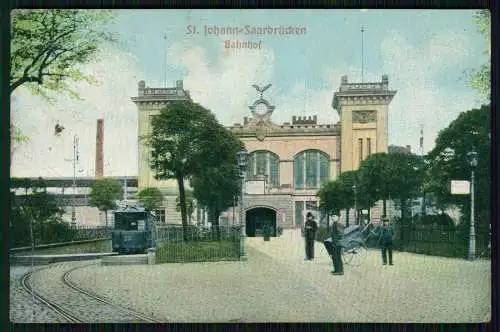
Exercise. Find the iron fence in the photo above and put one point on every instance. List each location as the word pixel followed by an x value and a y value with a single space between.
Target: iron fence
pixel 197 243
pixel 51 233
pixel 441 240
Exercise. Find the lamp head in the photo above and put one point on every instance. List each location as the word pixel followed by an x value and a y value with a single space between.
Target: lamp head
pixel 472 158
pixel 241 158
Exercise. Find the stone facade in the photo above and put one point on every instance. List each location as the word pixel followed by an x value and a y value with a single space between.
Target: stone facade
pixel 363 111
pixel 285 152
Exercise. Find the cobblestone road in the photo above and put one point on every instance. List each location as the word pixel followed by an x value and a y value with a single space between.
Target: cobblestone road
pixel 277 285
pixel 22 305
pixel 48 283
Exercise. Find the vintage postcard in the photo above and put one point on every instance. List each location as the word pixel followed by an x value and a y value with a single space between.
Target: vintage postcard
pixel 250 166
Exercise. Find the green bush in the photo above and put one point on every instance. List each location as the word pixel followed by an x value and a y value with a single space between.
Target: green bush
pixel 438 219
pixel 179 251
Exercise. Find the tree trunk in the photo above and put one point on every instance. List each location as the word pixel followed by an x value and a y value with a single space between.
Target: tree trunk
pixel 347 217
pixel 106 218
pixel 216 223
pixel 424 208
pixel 182 201
pixel 384 208
pixel 403 210
pixel 327 222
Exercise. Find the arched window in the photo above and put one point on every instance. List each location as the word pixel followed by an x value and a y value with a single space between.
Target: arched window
pixel 266 163
pixel 310 168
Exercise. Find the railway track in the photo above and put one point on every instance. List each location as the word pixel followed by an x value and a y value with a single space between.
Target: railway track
pixel 103 307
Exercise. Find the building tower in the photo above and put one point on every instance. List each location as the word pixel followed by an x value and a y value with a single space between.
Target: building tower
pixel 363 111
pixel 149 103
pixel 99 149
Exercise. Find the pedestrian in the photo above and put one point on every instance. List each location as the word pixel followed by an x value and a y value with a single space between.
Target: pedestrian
pixel 335 247
pixel 385 239
pixel 310 228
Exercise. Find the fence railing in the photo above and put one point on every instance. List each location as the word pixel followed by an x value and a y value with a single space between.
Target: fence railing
pixel 431 240
pixel 56 233
pixel 441 240
pixel 194 244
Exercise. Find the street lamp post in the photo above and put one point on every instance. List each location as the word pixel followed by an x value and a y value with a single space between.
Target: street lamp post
pixel 355 205
pixel 74 160
pixel 242 162
pixel 472 231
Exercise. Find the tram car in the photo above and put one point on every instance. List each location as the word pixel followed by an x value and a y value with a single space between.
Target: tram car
pixel 132 232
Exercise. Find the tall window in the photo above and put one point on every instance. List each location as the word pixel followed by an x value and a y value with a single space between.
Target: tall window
pixel 266 163
pixel 311 168
pixel 360 150
pixel 368 146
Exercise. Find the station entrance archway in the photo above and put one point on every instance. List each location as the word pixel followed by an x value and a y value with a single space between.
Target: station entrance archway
pixel 256 218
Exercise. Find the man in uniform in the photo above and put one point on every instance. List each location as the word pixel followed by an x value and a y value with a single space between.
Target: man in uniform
pixel 385 240
pixel 310 228
pixel 336 249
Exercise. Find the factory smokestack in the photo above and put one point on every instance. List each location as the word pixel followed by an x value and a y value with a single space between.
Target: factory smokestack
pixel 99 149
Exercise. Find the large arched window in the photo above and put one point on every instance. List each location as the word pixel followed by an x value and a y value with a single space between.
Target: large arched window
pixel 266 163
pixel 310 168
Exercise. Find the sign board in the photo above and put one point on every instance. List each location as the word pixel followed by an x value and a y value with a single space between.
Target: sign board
pixel 255 187
pixel 460 187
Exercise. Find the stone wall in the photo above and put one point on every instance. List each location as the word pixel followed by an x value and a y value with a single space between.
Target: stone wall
pixel 282 204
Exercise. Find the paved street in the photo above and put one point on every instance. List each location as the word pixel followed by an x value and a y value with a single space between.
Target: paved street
pixel 275 284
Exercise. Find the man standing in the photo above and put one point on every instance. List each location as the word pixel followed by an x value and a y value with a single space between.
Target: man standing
pixel 310 228
pixel 336 249
pixel 385 240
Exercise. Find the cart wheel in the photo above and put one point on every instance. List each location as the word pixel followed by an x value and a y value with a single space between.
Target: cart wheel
pixel 347 256
pixel 358 254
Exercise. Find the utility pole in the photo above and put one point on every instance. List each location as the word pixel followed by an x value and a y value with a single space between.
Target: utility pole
pixel 74 160
pixel 362 57
pixel 424 212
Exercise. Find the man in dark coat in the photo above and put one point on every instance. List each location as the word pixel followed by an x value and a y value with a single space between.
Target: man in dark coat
pixel 310 228
pixel 385 240
pixel 336 249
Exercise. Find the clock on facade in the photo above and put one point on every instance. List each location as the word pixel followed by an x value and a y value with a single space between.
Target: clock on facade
pixel 261 109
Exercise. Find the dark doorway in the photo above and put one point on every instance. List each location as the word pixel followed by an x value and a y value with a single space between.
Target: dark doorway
pixel 256 219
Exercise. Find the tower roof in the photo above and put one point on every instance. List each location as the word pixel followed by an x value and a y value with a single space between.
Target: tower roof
pixel 365 93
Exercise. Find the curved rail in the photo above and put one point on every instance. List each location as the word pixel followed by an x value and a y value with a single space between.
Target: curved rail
pixel 130 312
pixel 65 312
pixel 54 306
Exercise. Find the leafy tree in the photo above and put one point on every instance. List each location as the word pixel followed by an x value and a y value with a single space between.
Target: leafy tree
pixel 385 176
pixel 480 79
pixel 104 195
pixel 372 178
pixel 180 145
pixel 17 139
pixel 35 214
pixel 216 188
pixel 150 198
pixel 330 197
pixel 346 182
pixel 48 45
pixel 449 160
pixel 189 204
pixel 216 185
pixel 405 182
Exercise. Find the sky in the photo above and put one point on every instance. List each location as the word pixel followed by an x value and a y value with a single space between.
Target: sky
pixel 425 54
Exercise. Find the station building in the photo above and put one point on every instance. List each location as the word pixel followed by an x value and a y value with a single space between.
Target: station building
pixel 287 162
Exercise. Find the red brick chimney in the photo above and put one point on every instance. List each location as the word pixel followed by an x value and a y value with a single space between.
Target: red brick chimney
pixel 99 149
